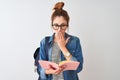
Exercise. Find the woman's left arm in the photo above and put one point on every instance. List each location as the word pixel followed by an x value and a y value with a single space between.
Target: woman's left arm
pixel 75 51
pixel 78 55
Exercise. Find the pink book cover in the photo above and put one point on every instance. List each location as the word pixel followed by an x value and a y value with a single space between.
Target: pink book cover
pixel 69 65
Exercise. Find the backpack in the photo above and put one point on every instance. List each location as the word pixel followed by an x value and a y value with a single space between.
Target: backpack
pixel 36 58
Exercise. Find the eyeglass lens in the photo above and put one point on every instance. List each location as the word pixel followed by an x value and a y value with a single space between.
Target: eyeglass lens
pixel 62 26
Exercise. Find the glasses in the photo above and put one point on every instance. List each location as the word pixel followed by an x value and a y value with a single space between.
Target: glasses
pixel 56 26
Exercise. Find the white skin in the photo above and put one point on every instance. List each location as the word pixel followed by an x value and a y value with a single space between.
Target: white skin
pixel 59 38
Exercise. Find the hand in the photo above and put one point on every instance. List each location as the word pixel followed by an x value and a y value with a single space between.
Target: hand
pixel 61 40
pixel 54 71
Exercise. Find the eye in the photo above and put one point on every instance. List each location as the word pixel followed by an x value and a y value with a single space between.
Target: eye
pixel 62 25
pixel 55 25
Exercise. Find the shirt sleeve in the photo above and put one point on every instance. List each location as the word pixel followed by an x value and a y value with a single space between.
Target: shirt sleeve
pixel 42 56
pixel 77 53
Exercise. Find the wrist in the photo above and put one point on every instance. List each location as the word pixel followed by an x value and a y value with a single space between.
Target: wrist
pixel 64 50
pixel 66 53
pixel 68 56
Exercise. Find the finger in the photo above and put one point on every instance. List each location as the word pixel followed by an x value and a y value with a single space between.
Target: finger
pixel 57 35
pixel 67 40
pixel 62 69
pixel 63 66
pixel 60 35
pixel 57 71
pixel 51 67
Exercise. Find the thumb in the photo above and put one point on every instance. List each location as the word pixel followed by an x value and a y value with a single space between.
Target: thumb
pixel 67 40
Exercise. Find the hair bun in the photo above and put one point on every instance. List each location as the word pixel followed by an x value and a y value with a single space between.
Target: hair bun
pixel 58 5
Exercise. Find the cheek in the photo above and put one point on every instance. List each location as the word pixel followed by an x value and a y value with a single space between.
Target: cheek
pixel 55 31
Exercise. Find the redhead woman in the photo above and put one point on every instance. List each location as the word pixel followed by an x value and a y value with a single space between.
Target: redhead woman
pixel 60 46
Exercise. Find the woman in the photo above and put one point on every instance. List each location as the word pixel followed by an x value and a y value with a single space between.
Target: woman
pixel 60 46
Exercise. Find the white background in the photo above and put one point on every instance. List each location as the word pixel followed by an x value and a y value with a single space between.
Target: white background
pixel 23 23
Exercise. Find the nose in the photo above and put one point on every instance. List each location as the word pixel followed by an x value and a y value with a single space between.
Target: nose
pixel 59 28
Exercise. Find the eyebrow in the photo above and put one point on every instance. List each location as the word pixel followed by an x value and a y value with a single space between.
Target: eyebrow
pixel 60 24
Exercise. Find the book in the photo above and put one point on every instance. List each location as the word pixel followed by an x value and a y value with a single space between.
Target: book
pixel 69 65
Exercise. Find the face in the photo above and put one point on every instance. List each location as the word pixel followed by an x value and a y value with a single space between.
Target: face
pixel 59 25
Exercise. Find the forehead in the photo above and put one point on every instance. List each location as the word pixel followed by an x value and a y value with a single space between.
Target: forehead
pixel 59 19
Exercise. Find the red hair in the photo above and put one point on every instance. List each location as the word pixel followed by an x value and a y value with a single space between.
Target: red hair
pixel 59 11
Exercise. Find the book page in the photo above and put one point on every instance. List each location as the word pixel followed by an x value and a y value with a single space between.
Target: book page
pixel 68 65
pixel 48 64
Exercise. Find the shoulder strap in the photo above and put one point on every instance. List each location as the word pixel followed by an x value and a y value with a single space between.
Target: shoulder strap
pixel 36 53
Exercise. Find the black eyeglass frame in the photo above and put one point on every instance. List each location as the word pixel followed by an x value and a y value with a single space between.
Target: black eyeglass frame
pixel 62 26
